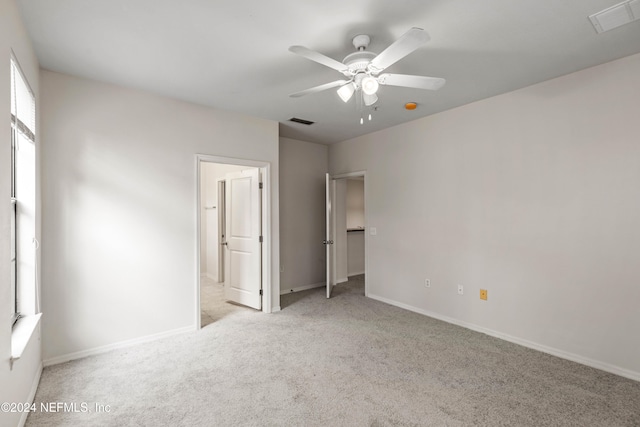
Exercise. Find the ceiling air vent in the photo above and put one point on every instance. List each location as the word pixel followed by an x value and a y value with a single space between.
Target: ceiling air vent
pixel 303 121
pixel 616 16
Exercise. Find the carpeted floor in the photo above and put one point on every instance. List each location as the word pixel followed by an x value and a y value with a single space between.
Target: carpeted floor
pixel 347 361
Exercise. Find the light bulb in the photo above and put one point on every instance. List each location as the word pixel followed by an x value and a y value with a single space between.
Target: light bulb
pixel 369 117
pixel 369 85
pixel 361 120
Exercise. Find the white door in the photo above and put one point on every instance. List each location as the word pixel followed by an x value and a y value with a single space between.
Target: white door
pixel 328 238
pixel 243 234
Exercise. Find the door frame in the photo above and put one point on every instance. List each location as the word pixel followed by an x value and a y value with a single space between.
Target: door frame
pixel 363 174
pixel 222 206
pixel 330 233
pixel 265 169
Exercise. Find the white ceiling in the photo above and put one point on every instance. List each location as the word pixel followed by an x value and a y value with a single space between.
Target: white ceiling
pixel 233 54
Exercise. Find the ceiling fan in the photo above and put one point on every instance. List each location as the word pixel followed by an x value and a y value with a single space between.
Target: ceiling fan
pixel 362 68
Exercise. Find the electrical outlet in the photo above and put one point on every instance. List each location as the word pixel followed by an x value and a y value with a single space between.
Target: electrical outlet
pixel 483 294
pixel 460 289
pixel 427 283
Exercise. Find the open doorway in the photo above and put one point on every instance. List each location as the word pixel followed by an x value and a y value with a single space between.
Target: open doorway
pixel 348 260
pixel 233 237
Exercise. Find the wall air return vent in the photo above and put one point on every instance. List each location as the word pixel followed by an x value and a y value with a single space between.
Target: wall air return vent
pixel 616 16
pixel 302 121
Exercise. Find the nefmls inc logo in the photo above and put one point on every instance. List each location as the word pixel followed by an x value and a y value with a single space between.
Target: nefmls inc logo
pixel 64 407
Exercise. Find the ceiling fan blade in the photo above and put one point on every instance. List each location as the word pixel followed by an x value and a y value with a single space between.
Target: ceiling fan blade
pixel 417 82
pixel 410 41
pixel 319 88
pixel 319 58
pixel 369 99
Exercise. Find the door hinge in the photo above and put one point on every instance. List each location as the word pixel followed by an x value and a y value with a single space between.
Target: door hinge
pixel 260 186
pixel 260 239
pixel 260 291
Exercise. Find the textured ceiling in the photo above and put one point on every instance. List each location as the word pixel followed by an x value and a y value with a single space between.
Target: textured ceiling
pixel 233 54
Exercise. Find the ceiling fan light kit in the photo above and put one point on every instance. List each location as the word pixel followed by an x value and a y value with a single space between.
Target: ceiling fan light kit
pixel 369 99
pixel 363 69
pixel 370 85
pixel 346 91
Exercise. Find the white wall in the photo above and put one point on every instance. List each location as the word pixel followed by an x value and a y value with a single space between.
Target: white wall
pixel 16 383
pixel 355 219
pixel 119 200
pixel 355 203
pixel 340 223
pixel 303 166
pixel 355 253
pixel 532 195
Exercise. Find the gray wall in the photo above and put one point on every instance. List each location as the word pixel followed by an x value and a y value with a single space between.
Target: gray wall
pixel 355 203
pixel 355 219
pixel 119 210
pixel 340 244
pixel 532 195
pixel 303 166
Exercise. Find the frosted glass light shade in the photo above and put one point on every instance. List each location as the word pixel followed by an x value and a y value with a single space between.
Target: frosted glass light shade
pixel 346 92
pixel 369 100
pixel 370 85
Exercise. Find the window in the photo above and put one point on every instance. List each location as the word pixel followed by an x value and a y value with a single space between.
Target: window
pixel 23 120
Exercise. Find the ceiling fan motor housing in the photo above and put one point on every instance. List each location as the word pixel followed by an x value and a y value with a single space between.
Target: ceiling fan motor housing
pixel 361 41
pixel 358 61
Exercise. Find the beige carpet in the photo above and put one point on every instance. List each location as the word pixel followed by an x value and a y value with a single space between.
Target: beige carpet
pixel 348 361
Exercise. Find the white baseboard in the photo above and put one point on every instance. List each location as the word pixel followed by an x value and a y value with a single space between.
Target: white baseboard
pixel 32 395
pixel 357 273
pixel 302 288
pixel 525 343
pixel 275 309
pixel 122 344
pixel 338 281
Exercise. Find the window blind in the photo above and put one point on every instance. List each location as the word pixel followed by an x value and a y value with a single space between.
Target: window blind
pixel 23 105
